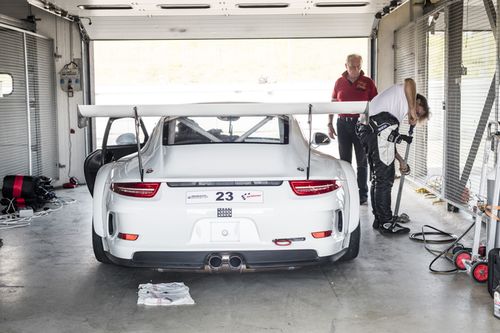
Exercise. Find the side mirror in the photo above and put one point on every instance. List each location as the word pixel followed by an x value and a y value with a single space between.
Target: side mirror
pixel 320 139
pixel 126 139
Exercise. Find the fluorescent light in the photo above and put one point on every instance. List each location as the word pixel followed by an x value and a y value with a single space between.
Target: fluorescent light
pixel 262 5
pixel 104 7
pixel 342 4
pixel 185 6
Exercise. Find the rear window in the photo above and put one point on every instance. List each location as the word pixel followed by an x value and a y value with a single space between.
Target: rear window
pixel 226 129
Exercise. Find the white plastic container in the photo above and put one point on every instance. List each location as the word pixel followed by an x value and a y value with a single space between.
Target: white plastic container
pixel 490 185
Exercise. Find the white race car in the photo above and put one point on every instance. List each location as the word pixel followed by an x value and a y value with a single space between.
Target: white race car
pixel 229 186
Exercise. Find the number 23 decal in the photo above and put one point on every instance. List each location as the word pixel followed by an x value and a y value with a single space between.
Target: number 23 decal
pixel 224 196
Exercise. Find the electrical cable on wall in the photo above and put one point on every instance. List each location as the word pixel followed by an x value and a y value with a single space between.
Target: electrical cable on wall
pixel 70 82
pixel 69 139
pixel 69 113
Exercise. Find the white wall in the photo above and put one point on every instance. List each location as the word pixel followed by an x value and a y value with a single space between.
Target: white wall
pixel 385 48
pixel 73 145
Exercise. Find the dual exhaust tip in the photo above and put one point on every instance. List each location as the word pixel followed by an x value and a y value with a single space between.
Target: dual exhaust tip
pixel 225 261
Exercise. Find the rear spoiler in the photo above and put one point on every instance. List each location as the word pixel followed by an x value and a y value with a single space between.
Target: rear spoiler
pixel 220 109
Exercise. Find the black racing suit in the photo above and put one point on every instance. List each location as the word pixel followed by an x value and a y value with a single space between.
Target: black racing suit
pixel 377 139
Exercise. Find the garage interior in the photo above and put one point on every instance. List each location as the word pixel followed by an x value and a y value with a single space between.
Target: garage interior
pixel 49 278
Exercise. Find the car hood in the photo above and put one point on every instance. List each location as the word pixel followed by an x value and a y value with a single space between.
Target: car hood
pixel 222 162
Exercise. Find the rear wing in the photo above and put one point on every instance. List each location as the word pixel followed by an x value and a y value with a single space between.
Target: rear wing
pixel 218 109
pixel 221 109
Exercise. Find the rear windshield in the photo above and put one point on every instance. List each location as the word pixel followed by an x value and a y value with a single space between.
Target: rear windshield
pixel 227 129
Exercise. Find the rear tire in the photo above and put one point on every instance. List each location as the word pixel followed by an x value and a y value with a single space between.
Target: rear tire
pixel 99 252
pixel 353 249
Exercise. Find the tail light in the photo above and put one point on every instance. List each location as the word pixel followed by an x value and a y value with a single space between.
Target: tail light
pixel 137 190
pixel 322 234
pixel 313 187
pixel 129 237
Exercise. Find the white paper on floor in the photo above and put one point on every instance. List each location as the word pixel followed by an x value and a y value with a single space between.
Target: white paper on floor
pixel 173 293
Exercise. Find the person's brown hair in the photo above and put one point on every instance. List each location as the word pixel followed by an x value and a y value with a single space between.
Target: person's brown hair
pixel 425 106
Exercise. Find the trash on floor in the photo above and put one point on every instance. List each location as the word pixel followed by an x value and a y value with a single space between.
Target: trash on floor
pixel 165 294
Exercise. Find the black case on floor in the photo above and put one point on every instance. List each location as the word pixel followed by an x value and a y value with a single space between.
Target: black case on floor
pixel 27 186
pixel 493 269
pixel 20 191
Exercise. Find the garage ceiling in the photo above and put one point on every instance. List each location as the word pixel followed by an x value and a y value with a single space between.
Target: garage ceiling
pixel 188 19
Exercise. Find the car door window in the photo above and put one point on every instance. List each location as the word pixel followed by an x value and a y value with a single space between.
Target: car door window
pixel 122 133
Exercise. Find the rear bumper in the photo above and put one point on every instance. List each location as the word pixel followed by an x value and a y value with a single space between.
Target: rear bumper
pixel 252 260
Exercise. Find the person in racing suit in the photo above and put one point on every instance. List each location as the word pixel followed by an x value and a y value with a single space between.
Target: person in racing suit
pixel 379 137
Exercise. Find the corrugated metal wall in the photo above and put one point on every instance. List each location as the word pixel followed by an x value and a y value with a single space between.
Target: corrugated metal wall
pixel 28 147
pixel 451 54
pixel 14 147
pixel 42 106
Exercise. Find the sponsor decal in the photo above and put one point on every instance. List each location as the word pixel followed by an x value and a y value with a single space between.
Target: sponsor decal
pixel 197 196
pixel 249 195
pixel 224 196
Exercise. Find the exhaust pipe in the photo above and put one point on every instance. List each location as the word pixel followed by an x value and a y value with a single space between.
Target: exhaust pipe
pixel 215 261
pixel 225 262
pixel 235 261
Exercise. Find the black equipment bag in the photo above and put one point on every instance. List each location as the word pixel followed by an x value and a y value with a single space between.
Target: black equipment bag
pixel 21 191
pixel 493 269
pixel 19 187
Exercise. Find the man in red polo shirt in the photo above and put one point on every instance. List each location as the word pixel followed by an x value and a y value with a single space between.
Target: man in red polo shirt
pixel 352 86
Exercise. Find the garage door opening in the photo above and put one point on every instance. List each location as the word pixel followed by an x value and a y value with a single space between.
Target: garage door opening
pixel 190 71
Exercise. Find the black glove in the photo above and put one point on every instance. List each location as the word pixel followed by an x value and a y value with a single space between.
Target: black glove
pixel 393 137
pixel 405 171
pixel 396 137
pixel 408 139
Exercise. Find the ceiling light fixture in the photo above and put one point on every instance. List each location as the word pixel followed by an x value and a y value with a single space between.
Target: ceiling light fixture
pixel 185 6
pixel 104 7
pixel 262 5
pixel 342 4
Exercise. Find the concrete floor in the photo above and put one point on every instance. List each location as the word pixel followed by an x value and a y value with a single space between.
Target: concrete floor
pixel 50 282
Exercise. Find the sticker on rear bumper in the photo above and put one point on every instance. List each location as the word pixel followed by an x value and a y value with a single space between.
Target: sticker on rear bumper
pixel 224 196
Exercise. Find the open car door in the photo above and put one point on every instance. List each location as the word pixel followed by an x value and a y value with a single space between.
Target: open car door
pixel 119 140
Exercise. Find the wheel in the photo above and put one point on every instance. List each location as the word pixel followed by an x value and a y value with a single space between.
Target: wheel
pixel 404 218
pixel 457 248
pixel 452 208
pixel 353 249
pixel 459 256
pixel 480 271
pixel 99 252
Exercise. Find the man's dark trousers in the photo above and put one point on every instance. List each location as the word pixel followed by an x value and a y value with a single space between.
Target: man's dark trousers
pixel 347 138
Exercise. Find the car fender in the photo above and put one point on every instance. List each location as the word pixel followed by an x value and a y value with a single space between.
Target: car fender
pixel 352 198
pixel 101 186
